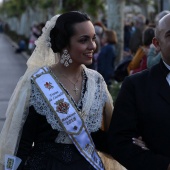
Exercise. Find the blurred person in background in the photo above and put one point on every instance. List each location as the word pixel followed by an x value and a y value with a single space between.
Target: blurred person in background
pixel 128 30
pixel 139 61
pixel 34 34
pixel 137 31
pixel 107 56
pixel 99 30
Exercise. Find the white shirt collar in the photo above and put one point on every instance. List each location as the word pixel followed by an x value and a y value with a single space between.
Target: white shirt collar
pixel 166 65
pixel 168 76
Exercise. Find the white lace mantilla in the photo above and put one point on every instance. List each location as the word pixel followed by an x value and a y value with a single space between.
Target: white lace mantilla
pixel 93 101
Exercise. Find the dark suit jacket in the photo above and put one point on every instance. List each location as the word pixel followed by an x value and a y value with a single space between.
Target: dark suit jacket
pixel 142 108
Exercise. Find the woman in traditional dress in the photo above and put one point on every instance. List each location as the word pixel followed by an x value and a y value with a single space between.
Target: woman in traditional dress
pixel 60 110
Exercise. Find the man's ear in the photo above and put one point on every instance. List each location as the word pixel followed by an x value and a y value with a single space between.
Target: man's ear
pixel 155 42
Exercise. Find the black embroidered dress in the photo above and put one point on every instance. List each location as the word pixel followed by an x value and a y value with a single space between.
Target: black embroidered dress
pixel 43 145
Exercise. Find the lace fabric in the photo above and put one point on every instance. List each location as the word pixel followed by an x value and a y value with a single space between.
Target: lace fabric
pixel 91 108
pixel 18 105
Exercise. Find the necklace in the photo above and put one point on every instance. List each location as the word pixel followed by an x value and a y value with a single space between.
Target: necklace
pixel 75 89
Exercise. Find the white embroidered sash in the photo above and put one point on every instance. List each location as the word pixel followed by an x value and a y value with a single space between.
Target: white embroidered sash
pixel 68 116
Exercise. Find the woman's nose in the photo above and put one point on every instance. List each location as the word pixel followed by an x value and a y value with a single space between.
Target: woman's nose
pixel 92 45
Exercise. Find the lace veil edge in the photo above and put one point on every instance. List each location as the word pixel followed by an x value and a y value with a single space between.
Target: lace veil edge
pixel 18 105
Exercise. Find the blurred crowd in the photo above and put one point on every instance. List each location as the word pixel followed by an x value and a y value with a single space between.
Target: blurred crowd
pixel 105 54
pixel 23 43
pixel 139 52
pixel 35 32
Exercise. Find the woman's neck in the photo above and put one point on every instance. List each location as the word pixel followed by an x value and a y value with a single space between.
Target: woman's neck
pixel 70 71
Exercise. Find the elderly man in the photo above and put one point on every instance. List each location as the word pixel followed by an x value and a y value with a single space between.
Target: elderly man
pixel 142 109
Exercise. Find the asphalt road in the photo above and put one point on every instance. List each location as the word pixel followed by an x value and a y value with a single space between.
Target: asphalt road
pixel 12 67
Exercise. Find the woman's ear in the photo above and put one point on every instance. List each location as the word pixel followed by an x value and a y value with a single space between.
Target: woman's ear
pixel 155 42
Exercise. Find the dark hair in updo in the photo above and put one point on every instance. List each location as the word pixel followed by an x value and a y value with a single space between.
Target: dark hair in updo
pixel 64 29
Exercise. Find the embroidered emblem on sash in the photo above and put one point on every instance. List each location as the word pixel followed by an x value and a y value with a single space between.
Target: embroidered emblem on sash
pixel 10 163
pixel 62 106
pixel 48 85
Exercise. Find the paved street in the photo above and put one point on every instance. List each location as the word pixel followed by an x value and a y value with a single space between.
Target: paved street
pixel 12 67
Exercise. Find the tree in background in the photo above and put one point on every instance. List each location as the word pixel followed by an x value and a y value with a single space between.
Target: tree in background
pixel 17 7
pixel 115 21
pixel 113 14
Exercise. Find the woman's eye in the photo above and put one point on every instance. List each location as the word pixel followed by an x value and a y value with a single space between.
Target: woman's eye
pixel 83 40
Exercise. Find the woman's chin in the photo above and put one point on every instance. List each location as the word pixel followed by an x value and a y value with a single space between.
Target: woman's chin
pixel 88 62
